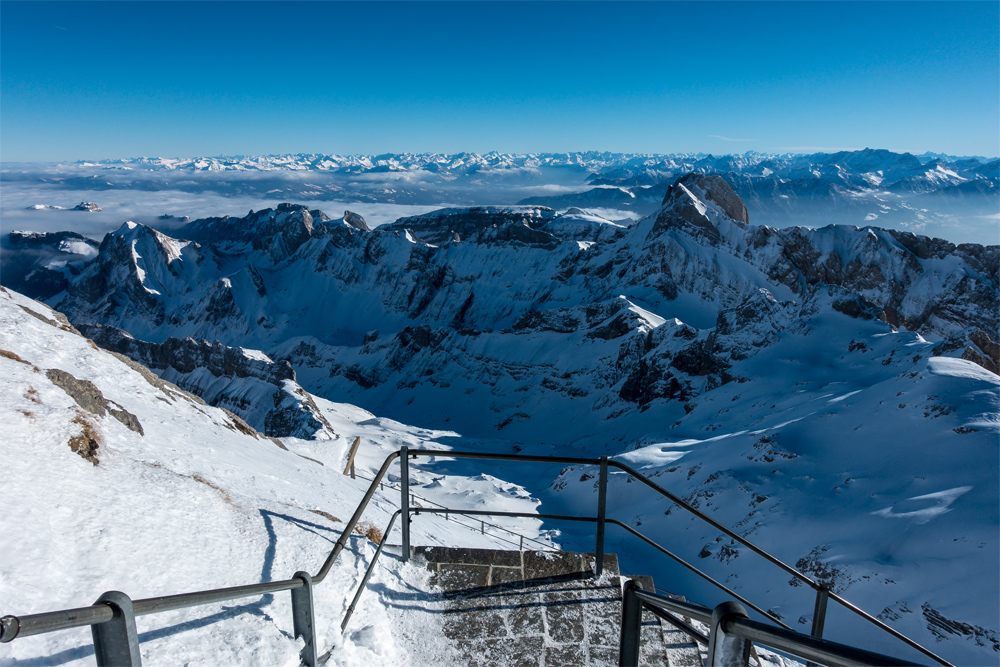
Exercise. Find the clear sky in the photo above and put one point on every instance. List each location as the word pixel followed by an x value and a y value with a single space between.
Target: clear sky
pixel 123 79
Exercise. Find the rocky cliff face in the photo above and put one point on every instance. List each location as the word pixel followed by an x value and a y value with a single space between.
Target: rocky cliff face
pixel 480 224
pixel 277 232
pixel 496 312
pixel 39 264
pixel 264 393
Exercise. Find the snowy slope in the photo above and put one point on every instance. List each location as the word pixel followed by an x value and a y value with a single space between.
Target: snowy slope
pixel 187 498
pixel 876 472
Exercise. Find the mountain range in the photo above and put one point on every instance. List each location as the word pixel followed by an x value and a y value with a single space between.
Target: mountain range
pixel 831 392
pixel 953 197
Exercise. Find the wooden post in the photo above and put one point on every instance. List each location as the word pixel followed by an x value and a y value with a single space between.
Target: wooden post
pixel 349 468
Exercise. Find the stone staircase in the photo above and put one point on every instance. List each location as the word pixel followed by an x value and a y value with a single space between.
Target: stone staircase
pixel 543 609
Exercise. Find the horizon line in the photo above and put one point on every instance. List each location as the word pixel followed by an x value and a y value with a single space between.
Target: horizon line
pixel 780 151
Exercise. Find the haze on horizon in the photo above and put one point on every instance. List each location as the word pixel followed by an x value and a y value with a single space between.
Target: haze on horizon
pixel 85 80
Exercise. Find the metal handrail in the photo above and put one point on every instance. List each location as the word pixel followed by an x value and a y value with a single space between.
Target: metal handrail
pixel 369 570
pixel 701 574
pixel 692 610
pixel 822 590
pixel 552 517
pixel 636 475
pixel 810 648
pixel 686 628
pixel 356 517
pixel 782 639
pixel 102 613
pixel 12 627
pixel 522 538
pixel 620 524
pixel 795 643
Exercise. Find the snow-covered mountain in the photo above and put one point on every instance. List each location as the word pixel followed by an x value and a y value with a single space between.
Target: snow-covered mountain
pixel 603 165
pixel 452 304
pixel 831 392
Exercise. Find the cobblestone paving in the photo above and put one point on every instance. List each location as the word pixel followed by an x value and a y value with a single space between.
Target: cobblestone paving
pixel 534 608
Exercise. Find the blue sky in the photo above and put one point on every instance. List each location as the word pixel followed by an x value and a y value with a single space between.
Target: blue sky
pixel 99 80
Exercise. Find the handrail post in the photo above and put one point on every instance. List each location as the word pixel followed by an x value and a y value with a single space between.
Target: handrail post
pixel 602 502
pixel 727 650
pixel 628 647
pixel 304 619
pixel 116 642
pixel 819 613
pixel 404 499
pixel 349 468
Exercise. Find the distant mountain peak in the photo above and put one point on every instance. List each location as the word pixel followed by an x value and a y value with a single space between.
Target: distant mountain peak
pixel 698 204
pixel 356 220
pixel 717 190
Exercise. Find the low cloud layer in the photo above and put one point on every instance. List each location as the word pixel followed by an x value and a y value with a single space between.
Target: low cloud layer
pixel 149 207
pixel 943 196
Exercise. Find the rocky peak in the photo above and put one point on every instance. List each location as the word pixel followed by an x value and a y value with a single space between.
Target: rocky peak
pixel 355 220
pixel 87 206
pixel 714 189
pixel 293 224
pixel 698 203
pixel 923 247
pixel 138 243
pixel 139 266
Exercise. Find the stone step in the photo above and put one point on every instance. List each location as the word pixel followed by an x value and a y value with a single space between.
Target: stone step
pixel 540 608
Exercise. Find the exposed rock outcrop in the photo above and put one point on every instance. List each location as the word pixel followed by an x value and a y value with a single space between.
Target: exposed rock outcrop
pixel 480 224
pixel 260 391
pixel 89 397
pixel 355 220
